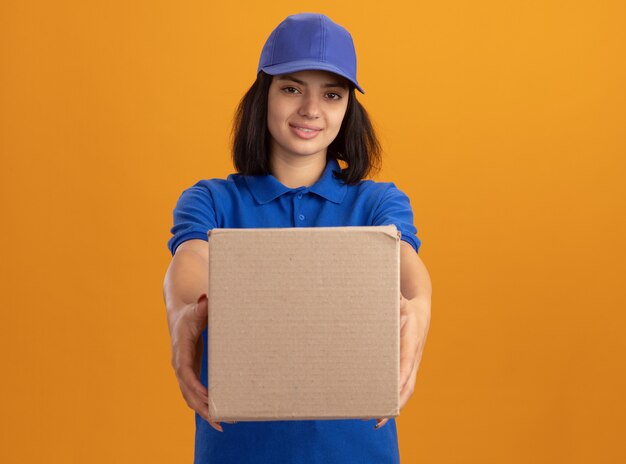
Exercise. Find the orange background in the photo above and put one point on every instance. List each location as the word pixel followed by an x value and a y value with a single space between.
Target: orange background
pixel 503 121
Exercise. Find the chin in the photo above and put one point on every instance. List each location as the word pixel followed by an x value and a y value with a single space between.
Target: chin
pixel 307 151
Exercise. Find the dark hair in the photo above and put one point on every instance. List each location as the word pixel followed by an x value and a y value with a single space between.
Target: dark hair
pixel 356 143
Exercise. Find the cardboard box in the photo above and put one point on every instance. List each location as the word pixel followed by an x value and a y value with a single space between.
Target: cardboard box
pixel 304 323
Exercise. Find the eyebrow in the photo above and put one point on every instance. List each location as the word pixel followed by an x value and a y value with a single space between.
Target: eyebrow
pixel 287 77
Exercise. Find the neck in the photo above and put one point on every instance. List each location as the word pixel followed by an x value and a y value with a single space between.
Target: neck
pixel 298 172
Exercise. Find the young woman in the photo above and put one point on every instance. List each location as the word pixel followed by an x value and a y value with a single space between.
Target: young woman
pixel 299 118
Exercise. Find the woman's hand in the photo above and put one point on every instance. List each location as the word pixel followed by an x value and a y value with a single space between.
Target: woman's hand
pixel 414 324
pixel 187 349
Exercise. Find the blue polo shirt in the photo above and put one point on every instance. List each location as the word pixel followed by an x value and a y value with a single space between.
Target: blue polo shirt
pixel 262 202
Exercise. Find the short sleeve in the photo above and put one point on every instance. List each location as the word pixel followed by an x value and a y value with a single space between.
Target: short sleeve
pixel 395 208
pixel 194 216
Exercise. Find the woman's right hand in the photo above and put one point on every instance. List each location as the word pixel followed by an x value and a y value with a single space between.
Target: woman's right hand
pixel 187 346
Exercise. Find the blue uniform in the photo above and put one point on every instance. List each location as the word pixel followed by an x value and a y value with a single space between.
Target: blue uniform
pixel 259 202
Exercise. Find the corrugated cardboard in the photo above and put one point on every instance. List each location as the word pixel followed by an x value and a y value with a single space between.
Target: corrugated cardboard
pixel 304 323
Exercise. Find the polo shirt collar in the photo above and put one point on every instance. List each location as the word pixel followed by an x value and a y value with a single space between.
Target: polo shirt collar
pixel 328 186
pixel 266 187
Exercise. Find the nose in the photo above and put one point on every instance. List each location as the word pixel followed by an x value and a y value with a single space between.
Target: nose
pixel 309 108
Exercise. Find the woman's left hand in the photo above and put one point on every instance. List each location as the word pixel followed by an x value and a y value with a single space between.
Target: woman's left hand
pixel 414 324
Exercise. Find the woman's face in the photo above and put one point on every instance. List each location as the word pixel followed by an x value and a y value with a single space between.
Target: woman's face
pixel 305 111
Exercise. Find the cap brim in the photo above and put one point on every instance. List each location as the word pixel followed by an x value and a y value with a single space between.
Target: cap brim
pixel 308 65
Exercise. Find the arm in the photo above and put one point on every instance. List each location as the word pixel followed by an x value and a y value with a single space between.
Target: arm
pixel 415 299
pixel 416 290
pixel 187 278
pixel 185 291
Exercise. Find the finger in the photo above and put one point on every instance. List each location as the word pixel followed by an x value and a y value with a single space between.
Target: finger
pixel 380 423
pixel 403 313
pixel 187 350
pixel 202 311
pixel 194 392
pixel 189 377
pixel 201 407
pixel 186 360
pixel 408 347
pixel 197 362
pixel 215 425
pixel 194 320
pixel 407 391
pixel 196 402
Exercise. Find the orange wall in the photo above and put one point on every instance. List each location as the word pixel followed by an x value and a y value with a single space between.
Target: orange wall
pixel 503 121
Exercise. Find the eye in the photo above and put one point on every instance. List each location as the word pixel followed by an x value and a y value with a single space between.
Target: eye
pixel 333 96
pixel 291 90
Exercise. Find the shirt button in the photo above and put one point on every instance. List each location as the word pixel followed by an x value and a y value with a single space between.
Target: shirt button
pixel 301 217
pixel 299 196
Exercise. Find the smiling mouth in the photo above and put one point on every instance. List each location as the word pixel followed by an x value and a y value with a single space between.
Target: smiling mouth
pixel 305 133
pixel 305 129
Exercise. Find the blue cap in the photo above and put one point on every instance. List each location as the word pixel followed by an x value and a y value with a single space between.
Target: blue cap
pixel 306 42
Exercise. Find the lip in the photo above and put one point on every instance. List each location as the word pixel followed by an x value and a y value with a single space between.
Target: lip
pixel 305 131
